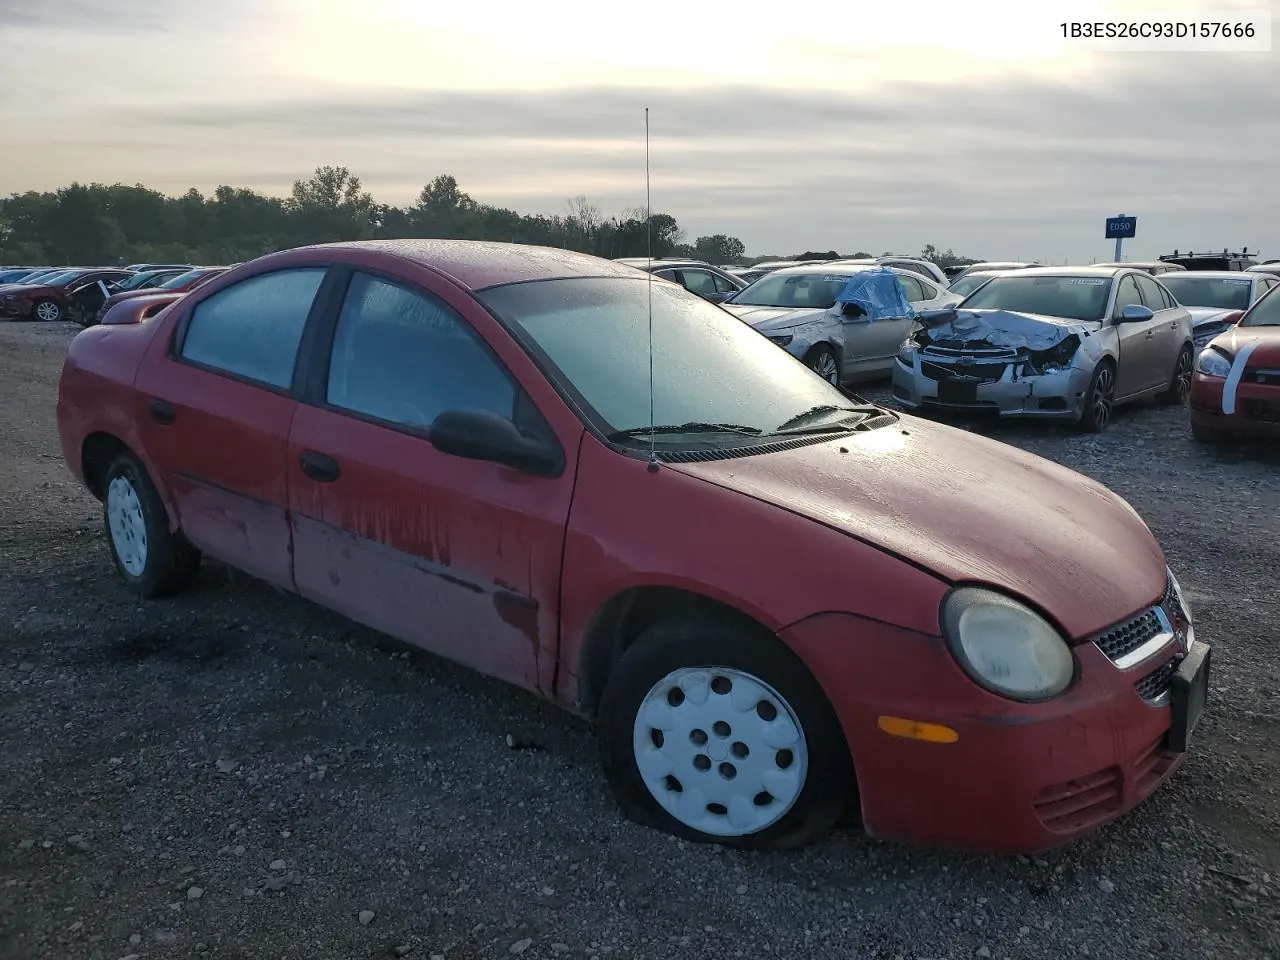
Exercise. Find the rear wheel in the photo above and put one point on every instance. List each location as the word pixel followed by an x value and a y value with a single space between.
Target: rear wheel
pixel 822 361
pixel 715 732
pixel 47 311
pixel 153 560
pixel 1099 399
pixel 1180 384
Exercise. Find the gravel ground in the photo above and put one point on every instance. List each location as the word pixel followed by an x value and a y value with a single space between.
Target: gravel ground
pixel 236 773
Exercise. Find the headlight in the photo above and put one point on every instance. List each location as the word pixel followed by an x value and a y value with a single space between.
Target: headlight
pixel 907 353
pixel 1179 595
pixel 782 341
pixel 1212 364
pixel 1006 646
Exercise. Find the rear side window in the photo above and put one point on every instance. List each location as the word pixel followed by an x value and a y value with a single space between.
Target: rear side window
pixel 914 288
pixel 252 329
pixel 1153 294
pixel 403 356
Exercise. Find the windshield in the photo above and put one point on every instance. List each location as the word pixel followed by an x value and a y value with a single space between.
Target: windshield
pixel 1265 313
pixel 799 291
pixel 181 279
pixel 1221 292
pixel 139 281
pixel 1072 298
pixel 58 279
pixel 967 284
pixel 708 367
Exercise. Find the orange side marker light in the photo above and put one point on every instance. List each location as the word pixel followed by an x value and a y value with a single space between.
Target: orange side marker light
pixel 916 730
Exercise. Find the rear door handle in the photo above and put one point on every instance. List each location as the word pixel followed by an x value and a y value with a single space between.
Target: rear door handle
pixel 161 412
pixel 1150 334
pixel 318 467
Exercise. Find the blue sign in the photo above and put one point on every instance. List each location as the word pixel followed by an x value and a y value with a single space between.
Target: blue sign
pixel 1122 228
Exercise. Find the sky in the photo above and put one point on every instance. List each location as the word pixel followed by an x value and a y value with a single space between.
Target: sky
pixel 971 126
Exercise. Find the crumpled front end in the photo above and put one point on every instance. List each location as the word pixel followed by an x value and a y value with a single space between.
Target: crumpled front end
pixel 998 362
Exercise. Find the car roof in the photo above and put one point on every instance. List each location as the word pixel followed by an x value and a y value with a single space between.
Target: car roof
pixel 477 264
pixel 1213 274
pixel 1068 271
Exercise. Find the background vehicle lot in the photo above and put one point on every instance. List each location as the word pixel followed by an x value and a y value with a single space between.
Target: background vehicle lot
pixel 385 782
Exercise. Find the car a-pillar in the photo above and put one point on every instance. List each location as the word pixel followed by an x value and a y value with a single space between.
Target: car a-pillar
pixel 710 726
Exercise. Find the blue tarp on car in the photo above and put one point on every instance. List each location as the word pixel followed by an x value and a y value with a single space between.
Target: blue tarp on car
pixel 878 292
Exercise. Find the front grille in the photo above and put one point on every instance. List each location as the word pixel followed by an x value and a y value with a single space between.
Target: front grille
pixel 986 372
pixel 1156 683
pixel 1092 799
pixel 1264 411
pixel 1260 375
pixel 966 349
pixel 1119 642
pixel 1080 803
pixel 1170 599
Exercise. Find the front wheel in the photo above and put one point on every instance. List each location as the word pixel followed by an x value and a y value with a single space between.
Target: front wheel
pixel 822 361
pixel 1099 399
pixel 1179 389
pixel 47 311
pixel 715 732
pixel 153 560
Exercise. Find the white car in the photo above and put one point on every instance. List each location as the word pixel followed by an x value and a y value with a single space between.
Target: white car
pixel 1216 299
pixel 796 308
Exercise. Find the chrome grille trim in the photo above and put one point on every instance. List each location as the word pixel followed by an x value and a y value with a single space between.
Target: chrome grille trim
pixel 1143 635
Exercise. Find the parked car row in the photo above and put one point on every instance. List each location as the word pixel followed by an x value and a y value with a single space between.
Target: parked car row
pixel 85 294
pixel 1008 338
pixel 580 480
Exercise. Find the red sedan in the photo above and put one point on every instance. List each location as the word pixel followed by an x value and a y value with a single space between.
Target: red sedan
pixel 770 596
pixel 1236 386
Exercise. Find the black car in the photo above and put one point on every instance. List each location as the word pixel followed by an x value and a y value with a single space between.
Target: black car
pixel 696 276
pixel 1212 261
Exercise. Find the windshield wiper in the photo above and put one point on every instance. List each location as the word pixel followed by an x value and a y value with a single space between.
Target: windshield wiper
pixel 693 426
pixel 787 426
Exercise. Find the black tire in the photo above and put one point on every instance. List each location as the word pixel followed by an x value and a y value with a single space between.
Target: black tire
pixel 169 563
pixel 1203 434
pixel 53 312
pixel 1179 390
pixel 823 361
pixel 713 642
pixel 1099 398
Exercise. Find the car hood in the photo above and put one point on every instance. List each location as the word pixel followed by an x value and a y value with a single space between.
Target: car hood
pixel 769 319
pixel 27 289
pixel 1264 341
pixel 1006 328
pixel 968 509
pixel 1203 315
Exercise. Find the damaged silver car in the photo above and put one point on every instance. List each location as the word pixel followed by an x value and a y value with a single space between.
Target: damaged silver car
pixel 799 309
pixel 1060 343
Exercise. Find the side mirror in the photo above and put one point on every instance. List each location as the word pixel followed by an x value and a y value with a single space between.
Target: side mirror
pixel 851 311
pixel 1135 313
pixel 485 435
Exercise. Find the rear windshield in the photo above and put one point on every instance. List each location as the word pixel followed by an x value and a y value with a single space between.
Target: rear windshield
pixel 1221 292
pixel 1072 298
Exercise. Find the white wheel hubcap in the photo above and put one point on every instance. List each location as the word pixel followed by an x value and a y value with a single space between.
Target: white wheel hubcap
pixel 47 311
pixel 128 528
pixel 720 750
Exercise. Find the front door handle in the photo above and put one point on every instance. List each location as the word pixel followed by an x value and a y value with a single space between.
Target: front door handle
pixel 161 412
pixel 318 467
pixel 1150 334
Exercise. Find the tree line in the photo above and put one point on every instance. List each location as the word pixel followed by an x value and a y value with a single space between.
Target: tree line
pixel 92 224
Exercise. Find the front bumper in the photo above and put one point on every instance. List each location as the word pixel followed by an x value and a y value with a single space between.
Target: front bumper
pixel 15 310
pixel 927 384
pixel 1255 408
pixel 1020 778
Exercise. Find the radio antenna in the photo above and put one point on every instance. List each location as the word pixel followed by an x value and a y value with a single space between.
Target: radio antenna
pixel 648 224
